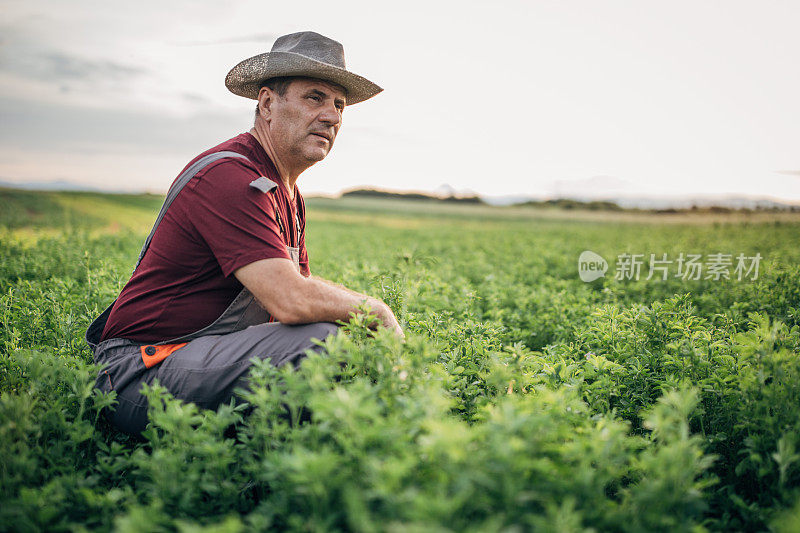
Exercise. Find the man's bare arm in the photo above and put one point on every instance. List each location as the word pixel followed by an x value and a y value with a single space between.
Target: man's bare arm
pixel 294 299
pixel 334 284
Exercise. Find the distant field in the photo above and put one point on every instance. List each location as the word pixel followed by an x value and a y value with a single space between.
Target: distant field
pixel 29 209
pixel 524 399
pixel 375 206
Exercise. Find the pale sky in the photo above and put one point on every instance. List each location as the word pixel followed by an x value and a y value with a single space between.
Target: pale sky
pixel 542 98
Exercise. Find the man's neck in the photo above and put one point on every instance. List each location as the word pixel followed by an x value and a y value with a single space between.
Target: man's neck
pixel 287 176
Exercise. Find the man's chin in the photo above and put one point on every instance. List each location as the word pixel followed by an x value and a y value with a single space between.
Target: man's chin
pixel 316 155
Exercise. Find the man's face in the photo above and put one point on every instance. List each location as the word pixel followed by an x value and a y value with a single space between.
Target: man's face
pixel 304 122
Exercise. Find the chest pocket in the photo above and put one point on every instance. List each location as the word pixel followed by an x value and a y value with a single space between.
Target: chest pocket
pixel 268 186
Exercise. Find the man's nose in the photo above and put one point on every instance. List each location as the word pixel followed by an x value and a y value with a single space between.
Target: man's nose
pixel 331 115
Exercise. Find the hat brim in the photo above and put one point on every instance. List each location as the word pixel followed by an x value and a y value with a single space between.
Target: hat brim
pixel 246 78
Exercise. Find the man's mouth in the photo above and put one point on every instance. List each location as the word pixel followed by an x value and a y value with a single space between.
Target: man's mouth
pixel 323 135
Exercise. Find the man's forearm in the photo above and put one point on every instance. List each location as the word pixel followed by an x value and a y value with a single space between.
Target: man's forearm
pixel 334 284
pixel 321 300
pixel 294 299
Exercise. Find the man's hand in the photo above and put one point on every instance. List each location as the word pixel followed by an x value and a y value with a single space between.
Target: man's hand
pixel 378 307
pixel 294 299
pixel 385 314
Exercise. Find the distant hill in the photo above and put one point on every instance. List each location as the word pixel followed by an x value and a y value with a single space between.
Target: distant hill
pixel 699 205
pixel 447 194
pixel 376 193
pixel 55 185
pixel 566 203
pixel 674 204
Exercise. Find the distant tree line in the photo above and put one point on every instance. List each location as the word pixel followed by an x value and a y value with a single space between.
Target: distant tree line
pixel 375 193
pixel 563 203
pixel 566 203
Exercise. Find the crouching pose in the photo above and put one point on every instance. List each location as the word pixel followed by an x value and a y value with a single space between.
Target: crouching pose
pixel 224 275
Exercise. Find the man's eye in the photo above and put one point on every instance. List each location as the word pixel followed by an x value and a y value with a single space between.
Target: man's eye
pixel 315 98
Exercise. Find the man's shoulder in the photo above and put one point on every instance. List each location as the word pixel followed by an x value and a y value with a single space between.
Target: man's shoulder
pixel 242 145
pixel 225 182
pixel 235 171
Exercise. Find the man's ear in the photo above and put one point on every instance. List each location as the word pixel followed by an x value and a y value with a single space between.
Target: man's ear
pixel 265 98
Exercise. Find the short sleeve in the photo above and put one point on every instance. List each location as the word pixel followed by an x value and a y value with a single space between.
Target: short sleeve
pixel 236 221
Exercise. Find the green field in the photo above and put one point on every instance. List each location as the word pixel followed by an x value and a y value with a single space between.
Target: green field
pixel 523 399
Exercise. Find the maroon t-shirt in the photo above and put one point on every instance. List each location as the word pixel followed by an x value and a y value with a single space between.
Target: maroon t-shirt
pixel 216 225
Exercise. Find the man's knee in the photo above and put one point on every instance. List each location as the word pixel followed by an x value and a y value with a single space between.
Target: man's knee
pixel 311 333
pixel 321 331
pixel 306 338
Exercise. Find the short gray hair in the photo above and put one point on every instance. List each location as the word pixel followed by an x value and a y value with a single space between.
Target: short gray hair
pixel 277 85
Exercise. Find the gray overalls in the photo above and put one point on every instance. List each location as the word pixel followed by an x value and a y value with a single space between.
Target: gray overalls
pixel 206 366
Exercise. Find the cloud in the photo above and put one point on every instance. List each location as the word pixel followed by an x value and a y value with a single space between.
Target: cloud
pixel 56 65
pixel 195 98
pixel 252 38
pixel 76 68
pixel 74 129
pixel 53 65
pixel 788 172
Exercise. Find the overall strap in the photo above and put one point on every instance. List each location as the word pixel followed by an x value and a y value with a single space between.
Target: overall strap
pixel 95 330
pixel 176 187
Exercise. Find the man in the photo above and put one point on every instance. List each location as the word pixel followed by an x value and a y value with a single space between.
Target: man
pixel 224 275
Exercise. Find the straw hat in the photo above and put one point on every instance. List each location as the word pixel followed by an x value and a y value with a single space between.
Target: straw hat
pixel 306 54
